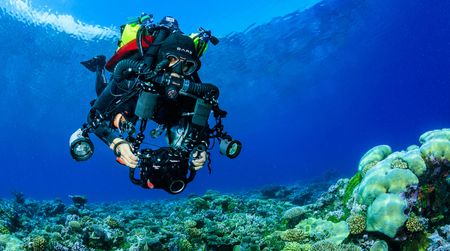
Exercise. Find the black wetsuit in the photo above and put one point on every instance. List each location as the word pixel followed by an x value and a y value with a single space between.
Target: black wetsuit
pixel 168 112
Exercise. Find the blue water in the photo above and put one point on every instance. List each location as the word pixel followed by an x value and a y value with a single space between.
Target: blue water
pixel 307 94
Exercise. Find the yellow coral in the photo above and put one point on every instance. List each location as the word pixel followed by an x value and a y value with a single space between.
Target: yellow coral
pixel 39 243
pixel 399 163
pixel 194 232
pixel 185 245
pixel 356 223
pixel 293 235
pixel 413 224
pixel 367 167
pixel 112 222
pixel 4 229
pixel 190 223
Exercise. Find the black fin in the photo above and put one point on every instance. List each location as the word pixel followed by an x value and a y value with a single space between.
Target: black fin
pixel 95 63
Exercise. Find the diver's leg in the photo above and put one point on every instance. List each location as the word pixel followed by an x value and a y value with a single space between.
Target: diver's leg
pixel 100 81
pixel 97 65
pixel 109 95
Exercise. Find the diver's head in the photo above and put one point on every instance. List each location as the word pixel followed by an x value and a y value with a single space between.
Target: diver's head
pixel 170 23
pixel 179 52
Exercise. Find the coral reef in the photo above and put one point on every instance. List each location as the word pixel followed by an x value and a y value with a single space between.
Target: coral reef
pixel 395 201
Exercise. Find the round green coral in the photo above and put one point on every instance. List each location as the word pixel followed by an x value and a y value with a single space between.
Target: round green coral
pixel 413 224
pixel 373 156
pixel 436 146
pixel 386 214
pixel 293 215
pixel 75 226
pixel 293 235
pixel 435 134
pixel 39 243
pixel 356 223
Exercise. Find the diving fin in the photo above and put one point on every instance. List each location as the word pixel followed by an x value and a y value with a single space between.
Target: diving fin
pixel 95 63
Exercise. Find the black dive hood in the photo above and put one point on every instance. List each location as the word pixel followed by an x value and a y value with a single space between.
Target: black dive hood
pixel 178 45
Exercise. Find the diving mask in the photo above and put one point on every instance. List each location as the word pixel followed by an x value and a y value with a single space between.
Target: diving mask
pixel 182 65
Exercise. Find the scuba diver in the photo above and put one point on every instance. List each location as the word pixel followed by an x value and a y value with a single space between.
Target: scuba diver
pixel 155 77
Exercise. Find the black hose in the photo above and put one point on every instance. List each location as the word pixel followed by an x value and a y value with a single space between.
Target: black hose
pixel 150 55
pixel 200 89
pixel 139 40
pixel 130 66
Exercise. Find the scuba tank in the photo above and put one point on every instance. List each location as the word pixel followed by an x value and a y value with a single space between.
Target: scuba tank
pixel 143 36
pixel 129 31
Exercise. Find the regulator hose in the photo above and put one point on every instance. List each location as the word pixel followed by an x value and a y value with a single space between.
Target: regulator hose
pixel 128 66
pixel 201 90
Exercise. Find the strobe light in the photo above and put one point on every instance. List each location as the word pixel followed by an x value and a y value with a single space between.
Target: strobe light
pixel 81 147
pixel 230 148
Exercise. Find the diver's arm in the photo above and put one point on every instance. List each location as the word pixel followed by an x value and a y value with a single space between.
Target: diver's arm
pixel 122 149
pixel 105 133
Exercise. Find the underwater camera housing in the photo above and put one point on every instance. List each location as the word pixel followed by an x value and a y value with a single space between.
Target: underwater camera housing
pixel 81 147
pixel 230 147
pixel 163 168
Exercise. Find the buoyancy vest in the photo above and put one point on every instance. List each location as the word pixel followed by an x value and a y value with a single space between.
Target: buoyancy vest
pixel 127 45
pixel 128 32
pixel 128 50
